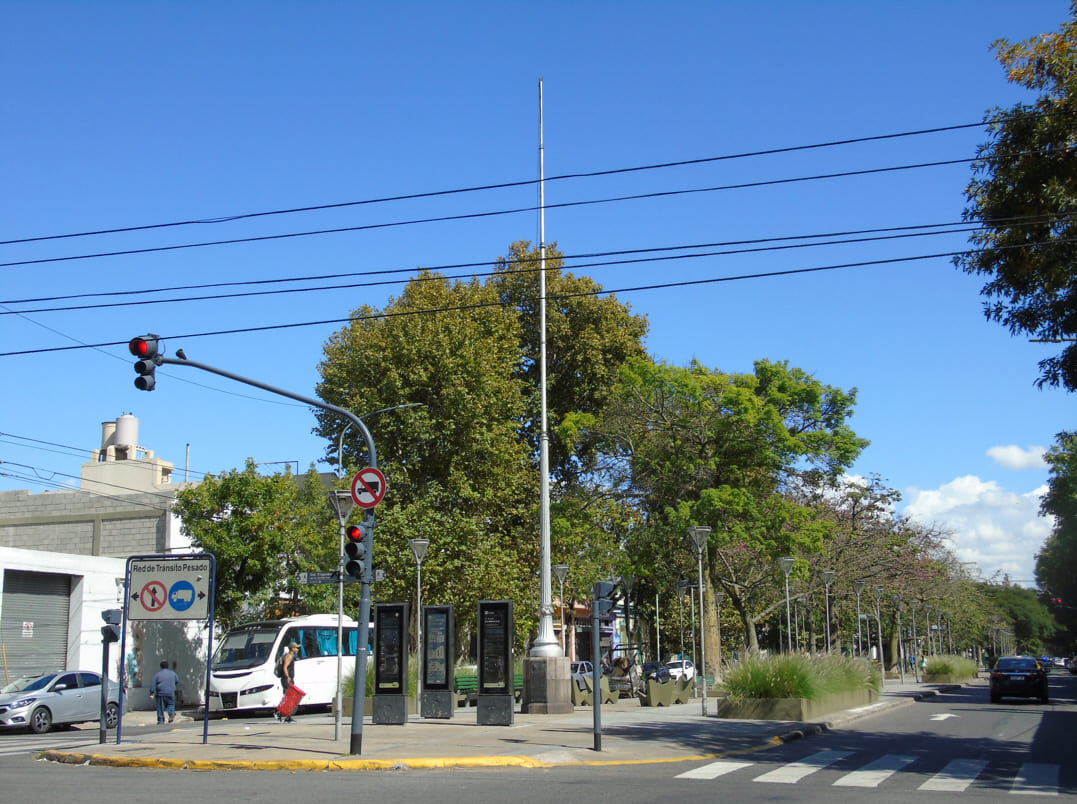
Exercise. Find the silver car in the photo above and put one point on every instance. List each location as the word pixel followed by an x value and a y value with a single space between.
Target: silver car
pixel 40 702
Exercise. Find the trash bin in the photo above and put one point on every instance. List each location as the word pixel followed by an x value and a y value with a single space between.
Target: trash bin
pixel 290 702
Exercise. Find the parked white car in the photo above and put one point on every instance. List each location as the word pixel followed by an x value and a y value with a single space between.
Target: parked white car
pixel 581 669
pixel 681 668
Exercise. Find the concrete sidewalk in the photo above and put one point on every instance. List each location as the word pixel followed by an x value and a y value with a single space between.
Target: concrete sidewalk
pixel 630 734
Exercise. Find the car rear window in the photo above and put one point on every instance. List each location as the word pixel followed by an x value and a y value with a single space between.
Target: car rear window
pixel 1005 664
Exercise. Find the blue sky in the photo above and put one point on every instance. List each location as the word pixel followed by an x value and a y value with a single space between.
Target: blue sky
pixel 128 114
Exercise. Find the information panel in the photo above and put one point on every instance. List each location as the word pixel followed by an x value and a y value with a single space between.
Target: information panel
pixel 169 587
pixel 391 649
pixel 496 632
pixel 438 649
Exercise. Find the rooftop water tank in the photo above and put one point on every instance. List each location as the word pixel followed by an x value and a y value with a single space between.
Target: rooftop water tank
pixel 126 435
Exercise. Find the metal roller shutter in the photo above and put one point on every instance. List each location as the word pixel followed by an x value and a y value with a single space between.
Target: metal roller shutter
pixel 33 623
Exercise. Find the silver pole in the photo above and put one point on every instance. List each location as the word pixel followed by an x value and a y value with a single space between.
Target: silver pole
pixel 545 643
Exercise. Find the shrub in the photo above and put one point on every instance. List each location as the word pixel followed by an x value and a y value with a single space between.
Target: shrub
pixel 953 666
pixel 798 676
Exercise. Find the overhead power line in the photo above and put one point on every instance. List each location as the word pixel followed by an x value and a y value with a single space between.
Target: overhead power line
pixel 496 186
pixel 462 308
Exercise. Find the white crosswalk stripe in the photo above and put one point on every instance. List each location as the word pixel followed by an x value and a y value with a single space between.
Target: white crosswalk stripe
pixel 795 771
pixel 713 770
pixel 956 776
pixel 1035 779
pixel 875 773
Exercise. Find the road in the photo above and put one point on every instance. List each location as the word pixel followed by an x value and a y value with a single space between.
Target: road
pixel 953 747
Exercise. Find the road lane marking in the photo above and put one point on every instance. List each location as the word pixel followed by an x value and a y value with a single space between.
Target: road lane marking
pixel 713 770
pixel 876 773
pixel 956 776
pixel 795 771
pixel 1036 779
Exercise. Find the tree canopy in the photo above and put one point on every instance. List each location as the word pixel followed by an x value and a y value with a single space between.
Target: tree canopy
pixel 1024 193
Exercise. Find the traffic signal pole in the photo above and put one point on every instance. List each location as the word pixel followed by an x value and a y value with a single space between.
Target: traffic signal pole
pixel 356 746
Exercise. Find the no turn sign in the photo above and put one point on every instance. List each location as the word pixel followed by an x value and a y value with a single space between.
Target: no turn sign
pixel 368 487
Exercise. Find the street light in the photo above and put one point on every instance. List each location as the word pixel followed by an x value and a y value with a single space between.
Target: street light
pixel 930 641
pixel 560 572
pixel 858 587
pixel 699 534
pixel 343 504
pixel 879 630
pixel 786 565
pixel 896 597
pixel 828 576
pixel 915 644
pixel 719 596
pixel 418 549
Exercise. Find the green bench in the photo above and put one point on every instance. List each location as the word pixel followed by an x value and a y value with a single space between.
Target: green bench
pixel 466 688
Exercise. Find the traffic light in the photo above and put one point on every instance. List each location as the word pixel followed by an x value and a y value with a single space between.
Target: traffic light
pixel 606 597
pixel 355 549
pixel 145 349
pixel 110 632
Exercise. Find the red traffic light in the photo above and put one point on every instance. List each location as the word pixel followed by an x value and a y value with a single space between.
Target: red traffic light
pixel 144 347
pixel 354 533
pixel 355 551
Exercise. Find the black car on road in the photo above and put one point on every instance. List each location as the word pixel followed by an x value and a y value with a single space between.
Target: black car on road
pixel 1018 677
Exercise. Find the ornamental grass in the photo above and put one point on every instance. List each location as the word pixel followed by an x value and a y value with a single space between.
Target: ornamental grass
pixel 798 676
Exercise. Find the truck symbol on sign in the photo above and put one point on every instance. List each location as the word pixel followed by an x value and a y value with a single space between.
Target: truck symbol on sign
pixel 183 595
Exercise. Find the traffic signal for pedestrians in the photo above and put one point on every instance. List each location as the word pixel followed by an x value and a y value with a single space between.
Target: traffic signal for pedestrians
pixel 145 349
pixel 355 549
pixel 606 596
pixel 110 632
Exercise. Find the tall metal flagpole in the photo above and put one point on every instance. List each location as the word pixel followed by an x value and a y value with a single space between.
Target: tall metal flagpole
pixel 545 642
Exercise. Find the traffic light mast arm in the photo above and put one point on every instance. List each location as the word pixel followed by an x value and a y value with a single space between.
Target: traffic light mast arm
pixel 356 745
pixel 372 453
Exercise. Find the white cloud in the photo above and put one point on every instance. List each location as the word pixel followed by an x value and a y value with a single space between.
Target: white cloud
pixel 1014 457
pixel 999 530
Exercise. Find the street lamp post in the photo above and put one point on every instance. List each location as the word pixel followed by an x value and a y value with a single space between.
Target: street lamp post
pixel 828 576
pixel 343 504
pixel 858 587
pixel 418 549
pixel 786 565
pixel 879 630
pixel 901 637
pixel 915 643
pixel 560 572
pixel 930 640
pixel 699 534
pixel 719 596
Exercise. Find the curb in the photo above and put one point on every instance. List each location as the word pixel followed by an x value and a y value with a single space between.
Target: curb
pixel 434 763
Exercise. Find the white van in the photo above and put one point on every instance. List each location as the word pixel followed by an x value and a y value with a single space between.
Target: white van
pixel 242 674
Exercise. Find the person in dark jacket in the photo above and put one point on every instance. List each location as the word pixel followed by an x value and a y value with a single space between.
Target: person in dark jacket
pixel 163 689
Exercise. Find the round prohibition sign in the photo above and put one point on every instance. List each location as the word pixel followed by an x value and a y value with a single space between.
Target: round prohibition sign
pixel 153 596
pixel 368 487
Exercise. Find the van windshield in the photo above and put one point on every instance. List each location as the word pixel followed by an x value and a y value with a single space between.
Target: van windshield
pixel 245 648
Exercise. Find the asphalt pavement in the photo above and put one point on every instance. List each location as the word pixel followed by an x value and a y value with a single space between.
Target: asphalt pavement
pixel 630 733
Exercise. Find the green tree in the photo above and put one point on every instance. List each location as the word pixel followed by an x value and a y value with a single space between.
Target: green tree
pixel 262 529
pixel 1024 192
pixel 462 465
pixel 1056 563
pixel 696 446
pixel 1031 621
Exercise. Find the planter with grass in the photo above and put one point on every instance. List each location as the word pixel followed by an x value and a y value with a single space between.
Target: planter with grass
pixel 949 670
pixel 796 687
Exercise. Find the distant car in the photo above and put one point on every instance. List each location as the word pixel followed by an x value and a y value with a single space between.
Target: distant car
pixel 681 669
pixel 656 671
pixel 1018 677
pixel 40 702
pixel 581 669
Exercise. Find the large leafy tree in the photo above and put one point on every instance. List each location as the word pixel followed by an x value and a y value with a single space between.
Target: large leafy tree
pixel 1056 563
pixel 699 446
pixel 462 463
pixel 1024 192
pixel 262 529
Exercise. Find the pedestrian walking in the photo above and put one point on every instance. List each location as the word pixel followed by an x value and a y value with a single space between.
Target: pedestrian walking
pixel 287 680
pixel 163 689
